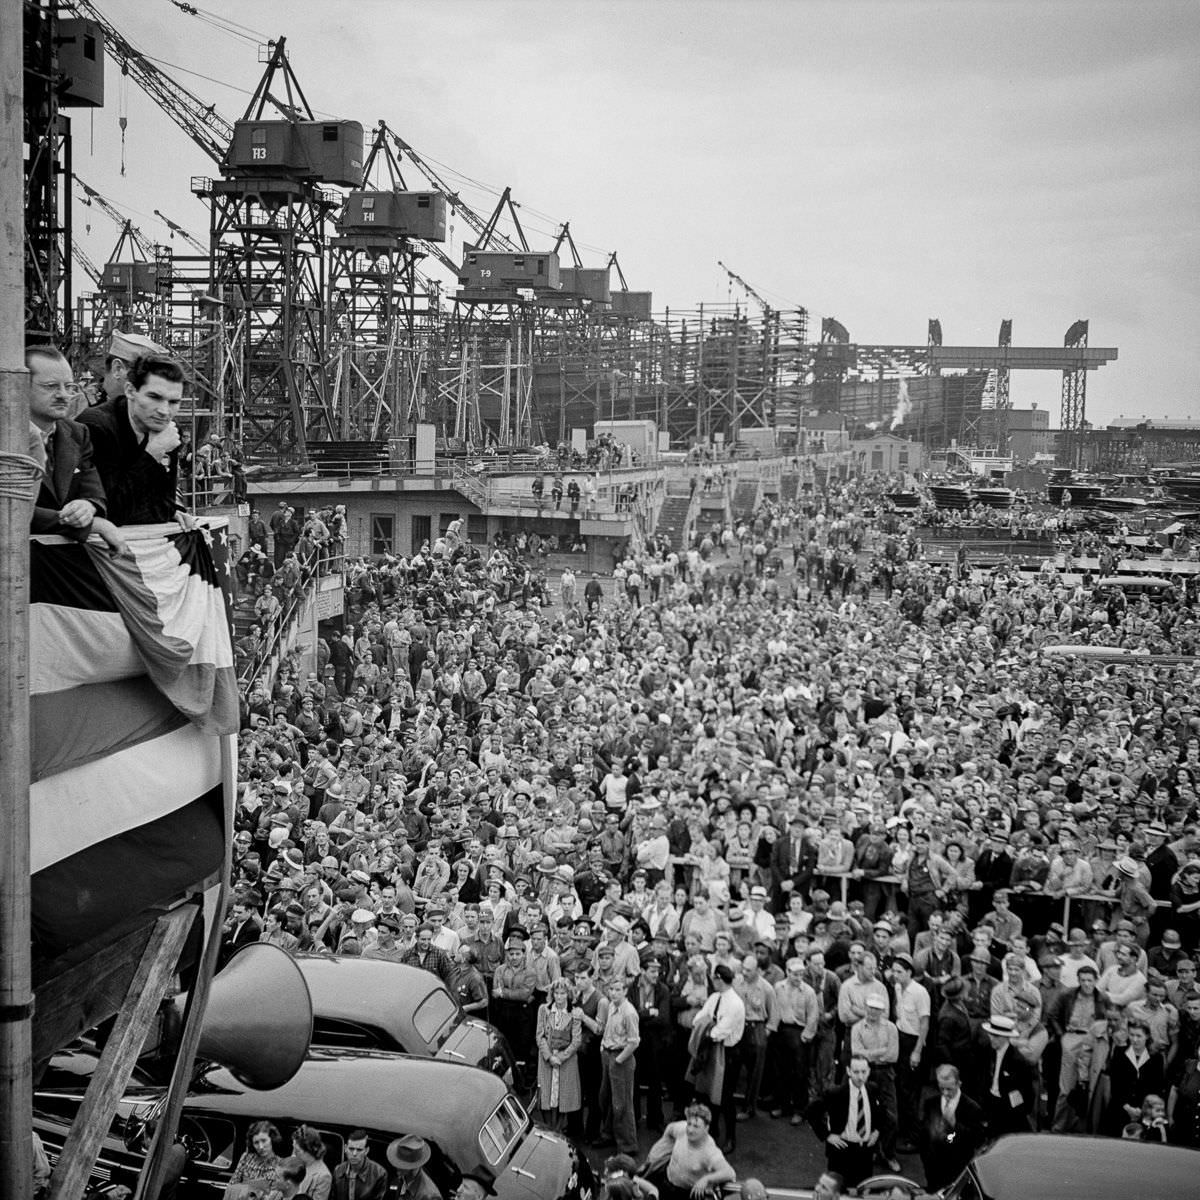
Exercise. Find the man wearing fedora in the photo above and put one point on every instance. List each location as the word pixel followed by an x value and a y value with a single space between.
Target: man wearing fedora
pixel 1010 1087
pixel 408 1155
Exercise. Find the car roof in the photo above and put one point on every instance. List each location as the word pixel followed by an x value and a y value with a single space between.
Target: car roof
pixel 372 991
pixel 446 1103
pixel 1071 1167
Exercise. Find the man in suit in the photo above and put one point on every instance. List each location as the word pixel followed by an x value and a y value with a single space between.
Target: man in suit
pixel 136 445
pixel 793 860
pixel 1010 1089
pixel 242 927
pixel 70 498
pixel 952 1128
pixel 851 1119
pixel 954 1040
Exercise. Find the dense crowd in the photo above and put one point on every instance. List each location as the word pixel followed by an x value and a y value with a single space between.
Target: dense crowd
pixel 797 823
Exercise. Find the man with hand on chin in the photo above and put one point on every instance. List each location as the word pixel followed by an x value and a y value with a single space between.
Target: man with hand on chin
pixel 136 442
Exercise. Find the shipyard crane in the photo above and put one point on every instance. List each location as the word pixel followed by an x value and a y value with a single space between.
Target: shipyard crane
pixel 733 275
pixel 564 235
pixel 381 151
pixel 110 210
pixel 477 223
pixel 90 269
pixel 201 122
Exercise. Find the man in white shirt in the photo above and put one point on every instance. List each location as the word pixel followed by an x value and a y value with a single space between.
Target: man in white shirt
pixel 727 1013
pixel 912 1021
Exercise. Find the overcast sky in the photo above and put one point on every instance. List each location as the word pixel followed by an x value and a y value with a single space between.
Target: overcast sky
pixel 882 163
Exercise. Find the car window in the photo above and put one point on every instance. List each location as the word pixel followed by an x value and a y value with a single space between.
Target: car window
pixel 502 1129
pixel 434 1016
pixel 207 1138
pixel 347 1035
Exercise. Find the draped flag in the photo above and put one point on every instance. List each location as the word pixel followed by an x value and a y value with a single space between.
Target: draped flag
pixel 132 688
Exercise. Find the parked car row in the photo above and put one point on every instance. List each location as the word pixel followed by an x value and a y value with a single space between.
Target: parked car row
pixel 391 1052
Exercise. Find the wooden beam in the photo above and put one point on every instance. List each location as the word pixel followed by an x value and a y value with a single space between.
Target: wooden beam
pixel 78 998
pixel 146 989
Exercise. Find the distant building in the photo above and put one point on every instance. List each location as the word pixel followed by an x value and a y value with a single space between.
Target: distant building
pixel 1029 433
pixel 823 433
pixel 1130 443
pixel 886 452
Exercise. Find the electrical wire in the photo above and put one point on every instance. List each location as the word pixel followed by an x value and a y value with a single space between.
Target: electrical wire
pixel 221 23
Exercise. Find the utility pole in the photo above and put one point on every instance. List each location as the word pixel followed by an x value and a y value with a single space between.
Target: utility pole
pixel 17 473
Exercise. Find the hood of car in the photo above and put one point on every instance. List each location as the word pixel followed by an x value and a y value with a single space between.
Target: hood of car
pixel 545 1166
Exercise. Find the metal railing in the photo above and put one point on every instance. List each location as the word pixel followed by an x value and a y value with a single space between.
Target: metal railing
pixel 322 561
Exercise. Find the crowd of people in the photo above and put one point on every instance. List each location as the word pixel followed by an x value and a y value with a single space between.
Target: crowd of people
pixel 839 845
pixel 836 845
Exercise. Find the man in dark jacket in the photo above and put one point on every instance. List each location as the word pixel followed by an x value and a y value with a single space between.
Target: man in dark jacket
pixel 135 444
pixel 793 860
pixel 1009 1086
pixel 70 499
pixel 952 1128
pixel 652 1001
pixel 851 1120
pixel 954 1037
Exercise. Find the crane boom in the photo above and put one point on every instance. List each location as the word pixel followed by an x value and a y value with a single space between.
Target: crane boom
pixel 110 210
pixel 744 286
pixel 201 122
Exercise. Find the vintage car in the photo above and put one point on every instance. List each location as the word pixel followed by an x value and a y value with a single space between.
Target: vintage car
pixel 370 1004
pixel 472 1122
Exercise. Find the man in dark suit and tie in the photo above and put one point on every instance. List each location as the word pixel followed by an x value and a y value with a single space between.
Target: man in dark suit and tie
pixel 952 1129
pixel 793 860
pixel 851 1120
pixel 242 928
pixel 70 498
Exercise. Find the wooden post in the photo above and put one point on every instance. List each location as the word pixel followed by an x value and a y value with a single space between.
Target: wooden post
pixel 16 997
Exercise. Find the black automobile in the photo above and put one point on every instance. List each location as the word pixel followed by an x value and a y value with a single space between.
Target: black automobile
pixel 372 1004
pixel 474 1125
pixel 1069 1167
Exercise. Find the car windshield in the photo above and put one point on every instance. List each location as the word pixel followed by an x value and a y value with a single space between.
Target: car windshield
pixel 435 1016
pixel 502 1129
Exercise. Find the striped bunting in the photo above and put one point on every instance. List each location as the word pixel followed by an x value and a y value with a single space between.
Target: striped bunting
pixel 132 691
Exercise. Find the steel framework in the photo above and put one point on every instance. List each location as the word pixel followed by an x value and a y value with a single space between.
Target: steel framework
pixel 47 163
pixel 1073 415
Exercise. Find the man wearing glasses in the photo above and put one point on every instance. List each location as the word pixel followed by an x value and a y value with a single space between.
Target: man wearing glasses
pixel 70 499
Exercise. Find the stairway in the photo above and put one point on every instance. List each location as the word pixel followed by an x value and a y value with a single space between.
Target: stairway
pixel 745 497
pixel 672 520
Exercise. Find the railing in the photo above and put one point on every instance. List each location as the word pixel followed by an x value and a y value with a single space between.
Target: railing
pixel 320 562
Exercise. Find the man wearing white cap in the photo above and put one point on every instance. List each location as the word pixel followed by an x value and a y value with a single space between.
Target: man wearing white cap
pixel 123 350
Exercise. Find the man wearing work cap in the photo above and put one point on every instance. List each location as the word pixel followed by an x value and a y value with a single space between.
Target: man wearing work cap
pixel 123 350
